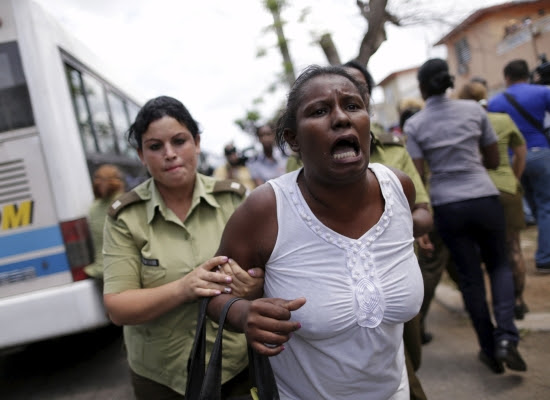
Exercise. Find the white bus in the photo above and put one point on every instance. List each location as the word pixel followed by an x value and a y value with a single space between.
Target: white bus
pixel 61 115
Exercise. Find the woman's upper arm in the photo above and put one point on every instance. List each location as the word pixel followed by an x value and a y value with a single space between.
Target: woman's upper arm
pixel 250 234
pixel 491 157
pixel 408 186
pixel 121 259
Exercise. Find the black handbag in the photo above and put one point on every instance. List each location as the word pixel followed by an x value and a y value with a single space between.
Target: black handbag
pixel 203 385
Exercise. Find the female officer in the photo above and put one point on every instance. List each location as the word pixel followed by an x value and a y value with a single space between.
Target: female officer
pixel 159 243
pixel 456 139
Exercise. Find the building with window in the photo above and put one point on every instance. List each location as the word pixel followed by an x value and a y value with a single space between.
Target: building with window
pixel 396 87
pixel 483 43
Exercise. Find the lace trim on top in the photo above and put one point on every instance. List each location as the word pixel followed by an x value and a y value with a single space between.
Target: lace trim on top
pixel 360 260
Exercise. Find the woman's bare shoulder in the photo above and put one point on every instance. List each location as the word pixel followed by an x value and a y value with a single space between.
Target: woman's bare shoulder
pixel 260 200
pixel 251 232
pixel 407 184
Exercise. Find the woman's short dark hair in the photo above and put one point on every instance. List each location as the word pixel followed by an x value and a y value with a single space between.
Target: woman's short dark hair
pixel 155 109
pixel 287 119
pixel 366 74
pixel 434 77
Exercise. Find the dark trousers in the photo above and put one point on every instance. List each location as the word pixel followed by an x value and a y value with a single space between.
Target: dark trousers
pixel 237 388
pixel 432 267
pixel 475 231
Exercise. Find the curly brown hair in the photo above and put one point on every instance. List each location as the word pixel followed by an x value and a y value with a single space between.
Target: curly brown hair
pixel 113 175
pixel 473 91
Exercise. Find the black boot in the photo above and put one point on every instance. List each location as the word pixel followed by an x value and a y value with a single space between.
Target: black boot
pixel 507 353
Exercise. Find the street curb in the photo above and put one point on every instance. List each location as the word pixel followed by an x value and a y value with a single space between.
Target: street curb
pixel 451 299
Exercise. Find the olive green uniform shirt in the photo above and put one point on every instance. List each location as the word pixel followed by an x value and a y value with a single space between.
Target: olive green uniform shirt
pixel 509 136
pixel 96 222
pixel 293 163
pixel 394 154
pixel 146 245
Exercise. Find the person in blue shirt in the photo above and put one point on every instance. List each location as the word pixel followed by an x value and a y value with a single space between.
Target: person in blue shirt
pixel 535 100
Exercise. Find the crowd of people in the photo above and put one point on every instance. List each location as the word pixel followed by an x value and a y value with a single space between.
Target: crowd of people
pixel 333 237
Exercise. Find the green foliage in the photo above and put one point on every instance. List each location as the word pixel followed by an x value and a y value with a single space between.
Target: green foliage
pixel 249 121
pixel 274 5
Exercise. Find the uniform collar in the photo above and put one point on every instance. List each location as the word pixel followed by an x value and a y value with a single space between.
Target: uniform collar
pixel 204 187
pixel 202 191
pixel 436 99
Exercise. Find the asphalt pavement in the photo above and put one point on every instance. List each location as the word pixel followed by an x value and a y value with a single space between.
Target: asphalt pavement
pixel 450 368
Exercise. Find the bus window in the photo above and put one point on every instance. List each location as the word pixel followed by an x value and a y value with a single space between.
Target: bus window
pixel 15 104
pixel 100 115
pixel 120 121
pixel 81 110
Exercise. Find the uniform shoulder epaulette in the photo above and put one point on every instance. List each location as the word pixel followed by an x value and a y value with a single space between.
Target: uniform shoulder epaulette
pixel 229 185
pixel 392 140
pixel 122 202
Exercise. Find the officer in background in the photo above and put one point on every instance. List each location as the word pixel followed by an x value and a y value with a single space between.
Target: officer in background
pixel 107 185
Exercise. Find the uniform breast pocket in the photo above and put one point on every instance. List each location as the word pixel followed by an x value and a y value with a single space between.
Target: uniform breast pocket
pixel 152 273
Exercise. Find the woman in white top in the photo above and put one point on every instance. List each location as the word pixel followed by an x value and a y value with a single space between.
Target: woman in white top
pixel 336 241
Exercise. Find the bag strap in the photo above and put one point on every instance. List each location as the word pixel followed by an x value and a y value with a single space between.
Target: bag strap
pixel 523 112
pixel 212 384
pixel 262 376
pixel 207 386
pixel 196 366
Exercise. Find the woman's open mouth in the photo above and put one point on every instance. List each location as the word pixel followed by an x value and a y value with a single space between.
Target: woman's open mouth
pixel 345 148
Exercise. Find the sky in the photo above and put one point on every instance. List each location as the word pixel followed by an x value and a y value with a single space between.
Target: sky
pixel 204 53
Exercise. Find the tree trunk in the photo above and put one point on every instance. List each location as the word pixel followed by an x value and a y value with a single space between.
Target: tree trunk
pixel 328 47
pixel 274 7
pixel 376 34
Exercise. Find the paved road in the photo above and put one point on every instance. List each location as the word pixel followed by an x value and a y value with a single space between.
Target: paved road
pixel 89 366
pixel 450 369
pixel 92 366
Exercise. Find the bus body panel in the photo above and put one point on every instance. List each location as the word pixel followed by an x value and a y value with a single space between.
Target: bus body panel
pixel 39 297
pixel 31 243
pixel 51 312
pixel 43 67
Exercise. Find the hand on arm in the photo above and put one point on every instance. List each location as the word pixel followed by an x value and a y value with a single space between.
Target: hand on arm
pixel 137 306
pixel 246 284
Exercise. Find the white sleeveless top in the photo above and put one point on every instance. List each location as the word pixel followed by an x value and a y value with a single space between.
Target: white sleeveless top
pixel 359 293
